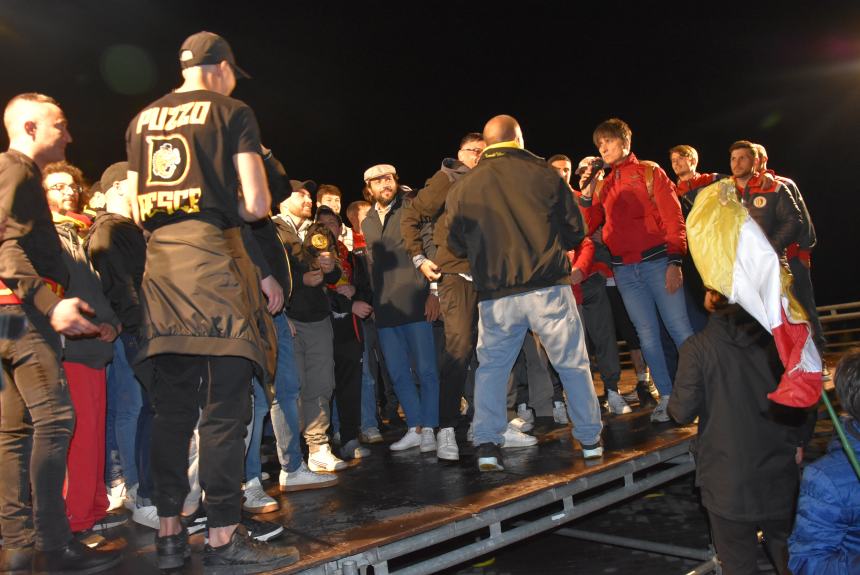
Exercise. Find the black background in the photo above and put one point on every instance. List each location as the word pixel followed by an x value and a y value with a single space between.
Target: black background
pixel 339 87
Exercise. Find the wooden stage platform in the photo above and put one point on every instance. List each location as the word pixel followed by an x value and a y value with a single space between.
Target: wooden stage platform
pixel 409 513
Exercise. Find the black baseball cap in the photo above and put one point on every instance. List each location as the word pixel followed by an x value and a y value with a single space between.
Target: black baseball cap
pixel 205 48
pixel 114 173
pixel 309 185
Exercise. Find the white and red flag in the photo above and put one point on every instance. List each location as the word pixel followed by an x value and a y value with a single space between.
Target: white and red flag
pixel 734 257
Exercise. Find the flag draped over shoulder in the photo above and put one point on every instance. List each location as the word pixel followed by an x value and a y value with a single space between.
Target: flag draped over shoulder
pixel 734 257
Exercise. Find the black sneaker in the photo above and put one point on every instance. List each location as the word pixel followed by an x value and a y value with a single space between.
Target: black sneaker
pixel 244 555
pixel 489 457
pixel 173 550
pixel 195 522
pixel 110 521
pixel 74 557
pixel 261 530
pixel 643 392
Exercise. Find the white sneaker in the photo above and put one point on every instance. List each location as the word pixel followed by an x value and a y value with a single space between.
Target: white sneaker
pixel 617 405
pixel 559 412
pixel 147 516
pixel 303 478
pixel 521 424
pixel 526 413
pixel 428 440
pixel 116 496
pixel 324 460
pixel 515 438
pixel 370 435
pixel 408 441
pixel 660 414
pixel 446 445
pixel 470 433
pixel 354 450
pixel 256 498
pixel 592 451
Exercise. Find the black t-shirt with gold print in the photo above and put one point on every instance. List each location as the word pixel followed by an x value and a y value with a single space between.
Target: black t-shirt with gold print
pixel 182 148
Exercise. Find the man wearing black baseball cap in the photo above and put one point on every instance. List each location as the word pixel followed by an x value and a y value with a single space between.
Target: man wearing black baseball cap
pixel 189 152
pixel 206 48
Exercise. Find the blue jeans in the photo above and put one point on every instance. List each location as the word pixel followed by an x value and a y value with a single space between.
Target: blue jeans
pixel 368 393
pixel 551 314
pixel 400 344
pixel 285 408
pixel 643 289
pixel 253 467
pixel 124 403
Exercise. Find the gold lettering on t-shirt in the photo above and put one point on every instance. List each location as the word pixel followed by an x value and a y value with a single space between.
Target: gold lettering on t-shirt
pixel 159 119
pixel 169 202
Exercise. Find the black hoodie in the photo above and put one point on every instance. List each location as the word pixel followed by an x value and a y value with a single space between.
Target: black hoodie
pixel 746 444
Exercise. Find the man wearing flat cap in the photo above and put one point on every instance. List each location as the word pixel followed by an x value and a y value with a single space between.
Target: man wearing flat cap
pixel 205 323
pixel 400 295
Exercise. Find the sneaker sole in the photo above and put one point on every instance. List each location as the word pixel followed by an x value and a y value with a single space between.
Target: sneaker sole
pixel 507 445
pixel 427 449
pixel 248 568
pixel 589 454
pixel 306 486
pixel 268 508
pixel 489 464
pixel 97 569
pixel 173 561
pixel 392 448
pixel 319 469
pixel 448 456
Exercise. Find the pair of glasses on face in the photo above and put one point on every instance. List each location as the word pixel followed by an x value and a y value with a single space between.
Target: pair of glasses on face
pixel 62 187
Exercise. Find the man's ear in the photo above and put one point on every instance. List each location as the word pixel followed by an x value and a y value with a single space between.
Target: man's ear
pixel 30 128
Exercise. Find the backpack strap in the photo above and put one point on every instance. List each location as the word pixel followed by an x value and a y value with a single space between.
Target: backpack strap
pixel 649 176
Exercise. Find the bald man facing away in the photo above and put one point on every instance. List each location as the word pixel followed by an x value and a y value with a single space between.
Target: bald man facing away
pixel 514 219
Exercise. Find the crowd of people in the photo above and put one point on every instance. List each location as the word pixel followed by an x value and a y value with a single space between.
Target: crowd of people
pixel 195 290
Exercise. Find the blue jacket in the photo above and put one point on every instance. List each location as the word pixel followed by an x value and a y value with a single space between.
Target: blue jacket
pixel 826 537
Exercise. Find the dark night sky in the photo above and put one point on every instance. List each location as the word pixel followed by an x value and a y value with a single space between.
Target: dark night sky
pixel 340 86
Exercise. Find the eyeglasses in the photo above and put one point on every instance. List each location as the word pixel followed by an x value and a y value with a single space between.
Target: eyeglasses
pixel 476 151
pixel 62 187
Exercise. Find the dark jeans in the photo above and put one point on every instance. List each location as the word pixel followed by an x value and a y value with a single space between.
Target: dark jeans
pixel 459 303
pixel 36 424
pixel 347 383
pixel 217 390
pixel 596 312
pixel 737 543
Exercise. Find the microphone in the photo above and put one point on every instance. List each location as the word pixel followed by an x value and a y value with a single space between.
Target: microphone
pixel 597 165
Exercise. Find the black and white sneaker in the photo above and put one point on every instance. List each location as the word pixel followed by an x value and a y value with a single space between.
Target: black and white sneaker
pixel 261 530
pixel 258 530
pixel 489 457
pixel 195 522
pixel 244 555
pixel 110 521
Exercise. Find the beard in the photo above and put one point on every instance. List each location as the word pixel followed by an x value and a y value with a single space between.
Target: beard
pixel 386 196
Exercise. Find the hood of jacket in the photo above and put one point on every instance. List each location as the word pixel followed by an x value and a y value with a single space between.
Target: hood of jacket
pixel 454 169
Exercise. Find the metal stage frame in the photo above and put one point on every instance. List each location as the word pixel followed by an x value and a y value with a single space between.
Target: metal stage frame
pixel 563 497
